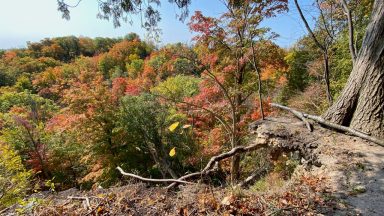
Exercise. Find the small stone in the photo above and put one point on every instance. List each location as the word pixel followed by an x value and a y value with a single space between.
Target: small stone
pixel 359 189
pixel 227 200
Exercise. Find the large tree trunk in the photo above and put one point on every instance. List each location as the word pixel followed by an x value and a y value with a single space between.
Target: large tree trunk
pixel 361 103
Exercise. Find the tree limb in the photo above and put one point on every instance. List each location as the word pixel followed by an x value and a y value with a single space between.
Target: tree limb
pixel 208 168
pixel 296 113
pixel 6 209
pixel 323 47
pixel 151 180
pixel 257 174
pixel 323 19
pixel 347 11
pixel 308 27
pixel 322 121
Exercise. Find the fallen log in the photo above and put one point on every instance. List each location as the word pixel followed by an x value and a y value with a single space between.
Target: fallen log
pixel 152 180
pixel 296 113
pixel 322 121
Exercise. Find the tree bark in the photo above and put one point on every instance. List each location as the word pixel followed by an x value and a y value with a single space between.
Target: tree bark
pixel 361 103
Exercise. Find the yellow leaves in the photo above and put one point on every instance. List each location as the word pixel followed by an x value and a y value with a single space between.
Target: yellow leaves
pixel 172 153
pixel 173 126
pixel 176 124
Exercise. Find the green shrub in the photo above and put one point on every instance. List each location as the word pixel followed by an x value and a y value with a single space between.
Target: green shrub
pixel 13 177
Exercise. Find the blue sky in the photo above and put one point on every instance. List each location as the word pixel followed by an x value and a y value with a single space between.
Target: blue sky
pixel 33 20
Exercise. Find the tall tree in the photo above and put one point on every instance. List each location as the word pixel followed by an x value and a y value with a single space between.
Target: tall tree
pixel 230 62
pixel 361 103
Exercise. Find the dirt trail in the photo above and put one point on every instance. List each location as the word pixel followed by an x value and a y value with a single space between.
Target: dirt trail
pixel 355 169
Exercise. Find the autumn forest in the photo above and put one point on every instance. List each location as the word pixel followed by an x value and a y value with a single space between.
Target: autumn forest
pixel 74 109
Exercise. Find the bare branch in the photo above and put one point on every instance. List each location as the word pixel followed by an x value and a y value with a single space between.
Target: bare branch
pixel 308 27
pixel 323 19
pixel 152 180
pixel 324 48
pixel 296 113
pixel 257 174
pixel 235 151
pixel 223 89
pixel 6 209
pixel 321 121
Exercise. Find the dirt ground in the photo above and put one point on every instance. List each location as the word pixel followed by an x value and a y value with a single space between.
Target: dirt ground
pixel 349 181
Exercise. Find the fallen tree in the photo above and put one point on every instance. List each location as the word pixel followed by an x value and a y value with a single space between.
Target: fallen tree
pixel 211 166
pixel 329 124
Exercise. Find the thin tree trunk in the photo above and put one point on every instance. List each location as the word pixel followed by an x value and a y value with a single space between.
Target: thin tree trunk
pixel 323 49
pixel 326 77
pixel 348 12
pixel 235 162
pixel 254 64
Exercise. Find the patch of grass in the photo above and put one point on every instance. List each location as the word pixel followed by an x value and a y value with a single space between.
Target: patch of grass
pixel 271 182
pixel 260 186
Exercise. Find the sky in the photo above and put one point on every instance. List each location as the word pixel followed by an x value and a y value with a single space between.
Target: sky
pixel 33 20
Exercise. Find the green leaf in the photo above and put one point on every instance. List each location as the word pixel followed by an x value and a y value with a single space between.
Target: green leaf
pixel 173 126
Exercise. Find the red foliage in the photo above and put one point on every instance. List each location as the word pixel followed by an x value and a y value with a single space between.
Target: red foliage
pixel 119 86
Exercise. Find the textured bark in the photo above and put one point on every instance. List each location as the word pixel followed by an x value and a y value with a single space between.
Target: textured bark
pixel 361 103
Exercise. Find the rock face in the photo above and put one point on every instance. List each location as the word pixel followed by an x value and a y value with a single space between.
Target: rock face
pixel 354 168
pixel 285 135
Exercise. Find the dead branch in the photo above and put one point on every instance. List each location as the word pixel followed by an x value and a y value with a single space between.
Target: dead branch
pixel 322 121
pixel 6 209
pixel 152 180
pixel 214 160
pixel 84 198
pixel 195 174
pixel 257 174
pixel 296 113
pixel 308 27
pixel 87 203
pixel 94 209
